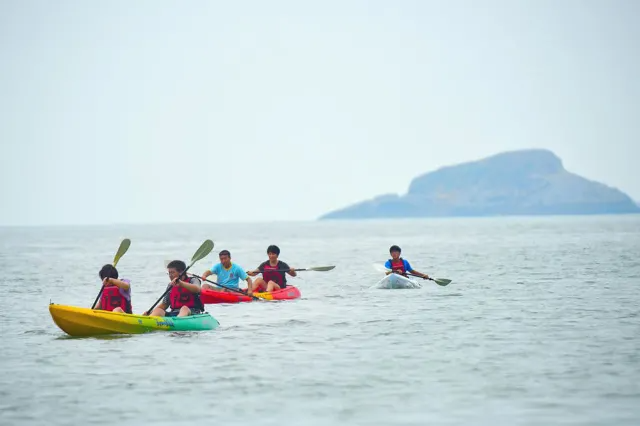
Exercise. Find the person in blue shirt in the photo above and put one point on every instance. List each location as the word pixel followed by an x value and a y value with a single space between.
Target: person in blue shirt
pixel 399 265
pixel 229 274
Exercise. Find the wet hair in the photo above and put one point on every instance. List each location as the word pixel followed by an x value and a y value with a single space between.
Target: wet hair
pixel 108 271
pixel 178 265
pixel 223 252
pixel 395 248
pixel 273 249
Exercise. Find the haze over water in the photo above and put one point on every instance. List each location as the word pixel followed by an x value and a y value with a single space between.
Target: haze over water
pixel 539 326
pixel 136 103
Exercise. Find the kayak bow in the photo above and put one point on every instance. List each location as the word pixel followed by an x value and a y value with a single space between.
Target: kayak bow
pixel 395 281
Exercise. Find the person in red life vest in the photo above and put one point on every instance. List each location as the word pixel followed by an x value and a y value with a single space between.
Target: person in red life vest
pixel 184 297
pixel 273 272
pixel 116 295
pixel 399 265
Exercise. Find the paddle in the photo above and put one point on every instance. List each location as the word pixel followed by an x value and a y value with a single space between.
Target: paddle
pixel 229 288
pixel 201 253
pixel 313 268
pixel 440 281
pixel 124 246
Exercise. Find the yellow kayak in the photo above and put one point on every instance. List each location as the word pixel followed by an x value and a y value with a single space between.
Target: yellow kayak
pixel 77 321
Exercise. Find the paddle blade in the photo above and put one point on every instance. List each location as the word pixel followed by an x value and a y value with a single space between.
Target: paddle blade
pixel 124 246
pixel 320 268
pixel 441 281
pixel 203 251
pixel 263 296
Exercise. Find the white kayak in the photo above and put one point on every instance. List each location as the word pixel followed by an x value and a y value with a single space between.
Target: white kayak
pixel 393 281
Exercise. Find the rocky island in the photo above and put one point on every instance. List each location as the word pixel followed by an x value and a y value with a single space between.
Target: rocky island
pixel 526 182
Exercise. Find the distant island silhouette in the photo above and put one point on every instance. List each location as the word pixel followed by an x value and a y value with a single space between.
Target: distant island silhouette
pixel 526 182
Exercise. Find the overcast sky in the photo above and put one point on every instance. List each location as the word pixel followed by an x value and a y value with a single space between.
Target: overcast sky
pixel 214 111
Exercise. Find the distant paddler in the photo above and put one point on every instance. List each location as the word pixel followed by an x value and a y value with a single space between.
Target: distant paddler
pixel 401 266
pixel 273 272
pixel 229 274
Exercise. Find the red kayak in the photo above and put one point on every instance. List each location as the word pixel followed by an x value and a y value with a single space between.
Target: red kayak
pixel 213 296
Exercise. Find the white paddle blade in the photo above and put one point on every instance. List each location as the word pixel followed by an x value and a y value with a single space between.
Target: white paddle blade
pixel 321 268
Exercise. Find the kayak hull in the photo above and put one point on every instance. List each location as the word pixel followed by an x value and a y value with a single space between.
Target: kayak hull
pixel 213 296
pixel 76 321
pixel 396 281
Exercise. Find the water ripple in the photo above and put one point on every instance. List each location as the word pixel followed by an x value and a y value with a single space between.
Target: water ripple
pixel 539 326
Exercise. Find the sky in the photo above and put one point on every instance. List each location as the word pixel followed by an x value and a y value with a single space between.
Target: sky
pixel 218 111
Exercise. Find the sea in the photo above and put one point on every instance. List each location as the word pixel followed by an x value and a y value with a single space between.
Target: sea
pixel 539 326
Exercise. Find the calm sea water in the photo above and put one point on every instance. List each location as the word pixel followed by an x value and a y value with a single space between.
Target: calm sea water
pixel 541 325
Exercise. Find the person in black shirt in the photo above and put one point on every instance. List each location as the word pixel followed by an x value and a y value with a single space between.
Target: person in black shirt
pixel 273 272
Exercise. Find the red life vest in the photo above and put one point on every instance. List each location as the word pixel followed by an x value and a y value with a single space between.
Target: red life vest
pixel 398 265
pixel 112 298
pixel 180 297
pixel 269 274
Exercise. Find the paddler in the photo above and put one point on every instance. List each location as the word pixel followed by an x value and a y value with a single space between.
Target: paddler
pixel 184 297
pixel 399 265
pixel 273 272
pixel 116 295
pixel 229 274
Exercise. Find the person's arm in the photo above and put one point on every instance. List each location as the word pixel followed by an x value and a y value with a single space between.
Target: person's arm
pixel 209 272
pixel 256 271
pixel 291 271
pixel 420 274
pixel 243 276
pixel 413 271
pixel 193 288
pixel 118 283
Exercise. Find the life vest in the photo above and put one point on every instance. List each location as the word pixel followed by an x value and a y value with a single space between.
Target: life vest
pixel 398 265
pixel 180 297
pixel 270 274
pixel 112 298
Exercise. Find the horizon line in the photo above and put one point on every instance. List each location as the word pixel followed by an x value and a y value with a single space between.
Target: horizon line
pixel 316 220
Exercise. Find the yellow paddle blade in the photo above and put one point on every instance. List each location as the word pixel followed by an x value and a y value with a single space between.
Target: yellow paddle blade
pixel 265 296
pixel 203 251
pixel 124 246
